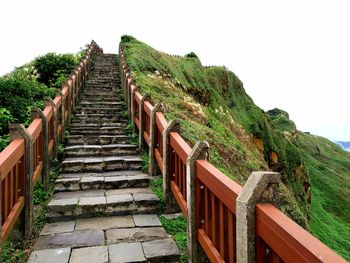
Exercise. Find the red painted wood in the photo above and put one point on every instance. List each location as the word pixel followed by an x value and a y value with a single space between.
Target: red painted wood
pixel 159 159
pixel 208 247
pixel 290 241
pixel 10 156
pixel 179 145
pixel 161 121
pixel 225 189
pixel 179 199
pixel 35 128
pixel 12 218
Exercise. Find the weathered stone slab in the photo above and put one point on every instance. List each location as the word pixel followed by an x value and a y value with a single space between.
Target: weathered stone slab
pixel 58 227
pixel 128 191
pixel 146 220
pixel 89 255
pixel 63 205
pixel 83 238
pixel 126 252
pixel 117 200
pixel 92 204
pixel 59 255
pixel 91 182
pixel 120 173
pixel 146 199
pixel 67 184
pixel 115 182
pixel 78 194
pixel 104 223
pixel 135 234
pixel 164 250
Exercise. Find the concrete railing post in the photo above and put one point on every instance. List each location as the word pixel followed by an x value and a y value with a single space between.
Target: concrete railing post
pixel 142 122
pixel 133 109
pixel 18 131
pixel 45 131
pixel 63 123
pixel 199 152
pixel 260 187
pixel 152 134
pixel 169 200
pixel 49 101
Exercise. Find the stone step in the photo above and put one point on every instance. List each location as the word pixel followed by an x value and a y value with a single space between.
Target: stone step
pixel 87 204
pixel 100 164
pixel 107 180
pixel 91 127
pixel 97 139
pixel 96 125
pixel 138 238
pixel 98 110
pixel 102 103
pixel 100 150
pixel 96 132
pixel 99 98
pixel 94 117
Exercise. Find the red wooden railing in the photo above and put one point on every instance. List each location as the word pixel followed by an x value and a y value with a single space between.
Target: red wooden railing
pixel 278 238
pixel 35 130
pixel 179 152
pixel 13 157
pixel 12 183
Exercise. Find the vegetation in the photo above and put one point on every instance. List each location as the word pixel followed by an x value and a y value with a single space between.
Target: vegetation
pixel 212 105
pixel 24 89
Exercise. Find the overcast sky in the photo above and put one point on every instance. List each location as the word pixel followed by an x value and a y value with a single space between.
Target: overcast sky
pixel 294 55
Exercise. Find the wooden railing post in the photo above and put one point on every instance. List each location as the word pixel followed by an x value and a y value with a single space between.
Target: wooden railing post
pixel 133 109
pixel 45 131
pixel 142 122
pixel 152 134
pixel 18 131
pixel 63 122
pixel 169 200
pixel 49 101
pixel 199 152
pixel 260 187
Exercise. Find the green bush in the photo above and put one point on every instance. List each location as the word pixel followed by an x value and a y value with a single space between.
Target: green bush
pixel 191 55
pixel 52 67
pixel 126 39
pixel 18 97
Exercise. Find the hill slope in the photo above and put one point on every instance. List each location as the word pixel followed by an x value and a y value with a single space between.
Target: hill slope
pixel 212 105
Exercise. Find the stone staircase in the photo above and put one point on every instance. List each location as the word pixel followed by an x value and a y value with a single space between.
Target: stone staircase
pixel 103 209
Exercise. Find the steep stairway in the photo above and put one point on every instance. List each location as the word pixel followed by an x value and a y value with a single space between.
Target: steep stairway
pixel 103 209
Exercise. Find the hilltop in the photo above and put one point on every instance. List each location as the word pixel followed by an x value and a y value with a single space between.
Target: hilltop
pixel 212 105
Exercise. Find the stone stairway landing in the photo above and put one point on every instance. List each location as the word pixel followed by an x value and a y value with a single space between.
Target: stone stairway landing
pixel 103 209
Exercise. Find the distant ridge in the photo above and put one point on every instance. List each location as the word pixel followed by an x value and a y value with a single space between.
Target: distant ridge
pixel 344 145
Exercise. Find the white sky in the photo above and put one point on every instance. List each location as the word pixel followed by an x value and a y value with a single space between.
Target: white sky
pixel 294 55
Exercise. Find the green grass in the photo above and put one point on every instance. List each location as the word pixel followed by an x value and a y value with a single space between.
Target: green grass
pixel 212 106
pixel 178 229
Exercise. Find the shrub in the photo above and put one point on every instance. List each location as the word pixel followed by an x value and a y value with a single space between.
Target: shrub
pixel 17 98
pixel 52 66
pixel 191 55
pixel 126 39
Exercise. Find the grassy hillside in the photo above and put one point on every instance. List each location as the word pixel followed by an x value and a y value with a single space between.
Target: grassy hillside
pixel 212 105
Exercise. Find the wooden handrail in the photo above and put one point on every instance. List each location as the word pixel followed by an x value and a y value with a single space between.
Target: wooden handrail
pixel 288 240
pixel 35 128
pixel 180 146
pixel 225 189
pixel 10 156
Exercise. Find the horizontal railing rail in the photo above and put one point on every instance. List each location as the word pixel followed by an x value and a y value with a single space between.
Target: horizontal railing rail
pixel 24 161
pixel 278 238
